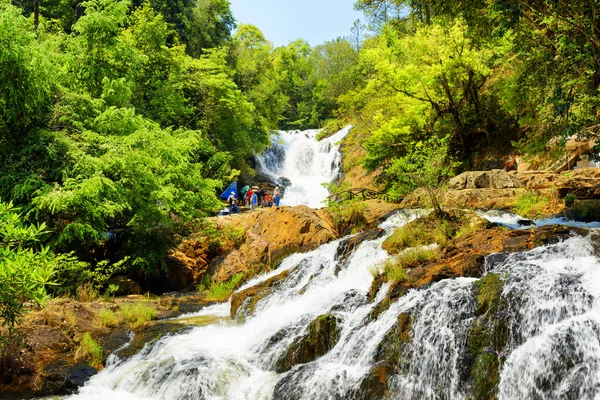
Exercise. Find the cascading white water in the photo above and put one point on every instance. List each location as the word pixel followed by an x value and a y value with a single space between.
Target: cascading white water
pixel 553 350
pixel 306 162
pixel 554 322
pixel 228 361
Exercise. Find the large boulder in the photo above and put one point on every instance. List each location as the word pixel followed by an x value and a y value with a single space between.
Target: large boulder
pixel 125 286
pixel 320 337
pixel 272 234
pixel 494 179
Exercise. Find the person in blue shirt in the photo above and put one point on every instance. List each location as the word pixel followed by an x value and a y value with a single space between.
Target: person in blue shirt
pixel 254 201
pixel 276 196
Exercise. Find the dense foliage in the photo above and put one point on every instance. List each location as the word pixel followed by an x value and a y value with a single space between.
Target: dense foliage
pixel 479 78
pixel 121 120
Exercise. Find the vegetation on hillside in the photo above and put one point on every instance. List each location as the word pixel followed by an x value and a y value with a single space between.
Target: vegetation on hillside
pixel 121 120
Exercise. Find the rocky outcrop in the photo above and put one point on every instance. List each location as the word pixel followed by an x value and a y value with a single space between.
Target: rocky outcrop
pixel 244 301
pixel 464 257
pixel 48 363
pixel 494 179
pixel 270 234
pixel 321 336
pixel 498 189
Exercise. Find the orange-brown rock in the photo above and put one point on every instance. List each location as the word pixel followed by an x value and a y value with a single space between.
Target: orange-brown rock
pixel 271 235
pixel 464 257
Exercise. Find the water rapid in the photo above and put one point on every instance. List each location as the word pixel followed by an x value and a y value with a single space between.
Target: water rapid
pixel 306 162
pixel 548 345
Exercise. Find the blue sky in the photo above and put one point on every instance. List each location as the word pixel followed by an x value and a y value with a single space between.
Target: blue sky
pixel 282 21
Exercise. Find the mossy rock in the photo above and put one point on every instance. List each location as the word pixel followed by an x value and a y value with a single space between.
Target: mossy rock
pixel 388 358
pixel 391 348
pixel 321 335
pixel 488 336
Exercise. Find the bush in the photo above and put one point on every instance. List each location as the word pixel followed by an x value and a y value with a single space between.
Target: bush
pixel 570 200
pixel 72 276
pixel 25 267
pixel 137 315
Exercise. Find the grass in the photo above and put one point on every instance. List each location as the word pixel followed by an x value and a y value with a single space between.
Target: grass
pixel 430 229
pixel 222 290
pixel 529 205
pixel 108 318
pixel 394 271
pixel 394 268
pixel 137 315
pixel 86 293
pixel 71 318
pixel 90 350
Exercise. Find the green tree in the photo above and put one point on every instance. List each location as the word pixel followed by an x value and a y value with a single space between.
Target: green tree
pixel 26 78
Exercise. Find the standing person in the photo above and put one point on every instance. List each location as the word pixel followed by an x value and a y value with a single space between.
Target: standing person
pixel 249 197
pixel 261 194
pixel 232 206
pixel 243 196
pixel 254 201
pixel 276 196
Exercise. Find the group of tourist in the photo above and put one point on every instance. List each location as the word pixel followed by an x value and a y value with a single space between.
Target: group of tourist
pixel 253 197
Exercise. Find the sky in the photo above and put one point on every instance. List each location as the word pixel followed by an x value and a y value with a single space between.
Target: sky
pixel 282 21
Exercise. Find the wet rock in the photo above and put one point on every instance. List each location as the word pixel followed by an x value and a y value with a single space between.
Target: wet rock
pixel 488 336
pixel 351 300
pixel 389 357
pixel 346 247
pixel 77 376
pixel 525 222
pixel 320 337
pixel 149 334
pixel 125 285
pixel 244 301
pixel 283 181
pixel 374 384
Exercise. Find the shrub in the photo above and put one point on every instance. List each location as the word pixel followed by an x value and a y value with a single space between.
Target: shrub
pixel 137 315
pixel 90 350
pixel 71 274
pixel 570 200
pixel 25 267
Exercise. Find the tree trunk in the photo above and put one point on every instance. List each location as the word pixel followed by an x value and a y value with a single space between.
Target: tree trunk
pixel 36 13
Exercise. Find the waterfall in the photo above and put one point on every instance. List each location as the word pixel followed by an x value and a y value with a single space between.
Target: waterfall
pixel 551 308
pixel 306 162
